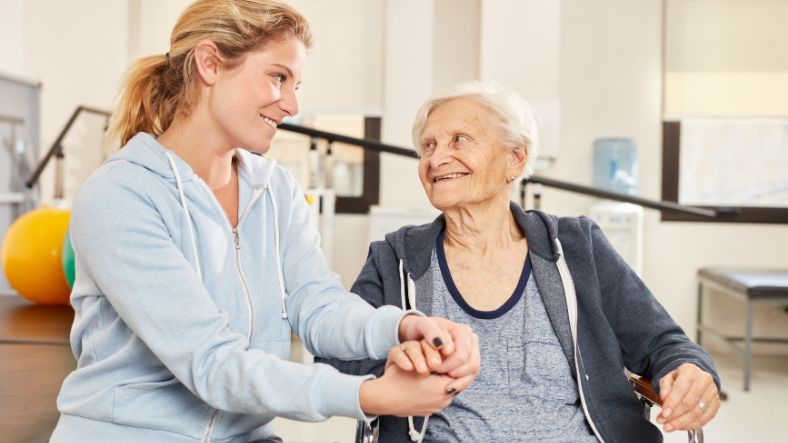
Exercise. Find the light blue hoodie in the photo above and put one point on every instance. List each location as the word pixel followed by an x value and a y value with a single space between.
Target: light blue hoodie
pixel 182 327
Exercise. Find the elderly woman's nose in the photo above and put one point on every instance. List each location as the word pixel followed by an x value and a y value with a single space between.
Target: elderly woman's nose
pixel 441 155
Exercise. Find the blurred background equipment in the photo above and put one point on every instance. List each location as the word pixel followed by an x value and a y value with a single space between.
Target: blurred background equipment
pixel 19 137
pixel 31 256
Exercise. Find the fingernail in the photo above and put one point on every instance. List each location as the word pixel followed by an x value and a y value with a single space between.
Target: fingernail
pixel 666 412
pixel 422 367
pixel 450 390
pixel 434 373
pixel 668 428
pixel 435 361
pixel 437 342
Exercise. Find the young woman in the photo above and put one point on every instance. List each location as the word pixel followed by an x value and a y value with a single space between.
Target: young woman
pixel 195 259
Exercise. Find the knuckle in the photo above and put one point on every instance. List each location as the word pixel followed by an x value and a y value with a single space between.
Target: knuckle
pixel 686 401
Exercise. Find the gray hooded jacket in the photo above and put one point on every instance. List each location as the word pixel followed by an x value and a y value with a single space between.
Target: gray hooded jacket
pixel 605 317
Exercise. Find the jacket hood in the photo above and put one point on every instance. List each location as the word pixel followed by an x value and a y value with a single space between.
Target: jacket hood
pixel 145 151
pixel 414 243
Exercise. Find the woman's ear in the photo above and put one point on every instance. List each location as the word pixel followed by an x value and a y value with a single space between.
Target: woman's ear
pixel 206 57
pixel 517 160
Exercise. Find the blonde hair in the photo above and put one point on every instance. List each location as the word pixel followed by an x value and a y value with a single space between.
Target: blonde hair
pixel 515 119
pixel 156 88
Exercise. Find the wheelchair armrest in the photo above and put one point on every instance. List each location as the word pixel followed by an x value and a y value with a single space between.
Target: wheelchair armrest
pixel 643 387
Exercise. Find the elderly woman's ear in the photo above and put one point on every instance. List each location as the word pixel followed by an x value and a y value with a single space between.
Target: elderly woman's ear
pixel 517 162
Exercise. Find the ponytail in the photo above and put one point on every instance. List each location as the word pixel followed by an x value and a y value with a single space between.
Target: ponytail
pixel 156 88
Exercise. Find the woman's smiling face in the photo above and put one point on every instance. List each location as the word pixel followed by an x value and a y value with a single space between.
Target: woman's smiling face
pixel 249 102
pixel 463 161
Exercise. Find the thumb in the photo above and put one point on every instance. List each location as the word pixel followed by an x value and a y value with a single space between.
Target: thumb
pixel 665 385
pixel 427 329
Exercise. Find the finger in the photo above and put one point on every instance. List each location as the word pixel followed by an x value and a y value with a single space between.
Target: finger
pixel 472 365
pixel 414 353
pixel 397 356
pixel 462 355
pixel 432 355
pixel 665 385
pixel 697 417
pixel 428 329
pixel 680 386
pixel 460 384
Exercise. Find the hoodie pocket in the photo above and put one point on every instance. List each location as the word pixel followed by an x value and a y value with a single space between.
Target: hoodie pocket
pixel 167 405
pixel 539 369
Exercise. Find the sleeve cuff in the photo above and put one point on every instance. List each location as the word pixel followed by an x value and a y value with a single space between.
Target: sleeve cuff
pixel 342 397
pixel 384 333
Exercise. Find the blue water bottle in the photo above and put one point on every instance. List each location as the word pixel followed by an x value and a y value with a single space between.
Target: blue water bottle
pixel 616 165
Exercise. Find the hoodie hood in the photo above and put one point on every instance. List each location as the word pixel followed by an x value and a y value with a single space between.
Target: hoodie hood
pixel 145 151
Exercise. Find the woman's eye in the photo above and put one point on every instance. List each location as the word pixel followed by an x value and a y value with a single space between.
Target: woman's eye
pixel 429 145
pixel 460 138
pixel 280 78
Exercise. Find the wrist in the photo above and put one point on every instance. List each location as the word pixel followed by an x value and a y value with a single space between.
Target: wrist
pixel 404 324
pixel 368 396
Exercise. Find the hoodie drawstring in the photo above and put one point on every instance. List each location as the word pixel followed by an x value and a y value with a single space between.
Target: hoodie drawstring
pixel 194 243
pixel 411 296
pixel 278 260
pixel 186 210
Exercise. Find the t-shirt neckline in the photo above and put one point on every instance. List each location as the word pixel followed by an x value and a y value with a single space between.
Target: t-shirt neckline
pixel 455 293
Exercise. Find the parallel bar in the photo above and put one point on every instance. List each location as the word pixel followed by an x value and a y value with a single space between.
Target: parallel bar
pixel 12 197
pixel 12 120
pixel 56 148
pixel 662 206
pixel 366 144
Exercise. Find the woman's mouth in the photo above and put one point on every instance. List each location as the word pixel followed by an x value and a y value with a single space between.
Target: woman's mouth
pixel 269 121
pixel 449 176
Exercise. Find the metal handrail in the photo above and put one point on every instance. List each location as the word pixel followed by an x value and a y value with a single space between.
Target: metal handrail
pixel 57 150
pixel 594 192
pixel 366 144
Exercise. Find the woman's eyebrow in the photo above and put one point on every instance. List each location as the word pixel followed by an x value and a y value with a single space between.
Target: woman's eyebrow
pixel 289 72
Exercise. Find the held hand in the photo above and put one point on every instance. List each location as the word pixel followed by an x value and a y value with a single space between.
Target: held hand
pixel 404 393
pixel 689 399
pixel 457 343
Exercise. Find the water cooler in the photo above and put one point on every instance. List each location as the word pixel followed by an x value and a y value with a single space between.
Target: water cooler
pixel 615 169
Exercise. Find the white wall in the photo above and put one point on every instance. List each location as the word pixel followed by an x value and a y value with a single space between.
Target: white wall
pixel 610 85
pixel 11 51
pixel 77 50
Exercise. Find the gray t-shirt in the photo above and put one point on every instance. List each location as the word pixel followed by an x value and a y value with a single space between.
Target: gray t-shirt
pixel 525 390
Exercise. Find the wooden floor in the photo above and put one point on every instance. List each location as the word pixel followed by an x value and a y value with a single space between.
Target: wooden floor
pixel 35 358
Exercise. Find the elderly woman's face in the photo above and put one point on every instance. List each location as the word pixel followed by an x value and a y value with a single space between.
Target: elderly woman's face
pixel 463 161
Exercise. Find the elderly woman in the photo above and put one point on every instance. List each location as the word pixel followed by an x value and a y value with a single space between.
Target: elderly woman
pixel 559 315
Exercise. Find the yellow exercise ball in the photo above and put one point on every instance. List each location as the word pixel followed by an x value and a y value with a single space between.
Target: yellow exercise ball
pixel 31 259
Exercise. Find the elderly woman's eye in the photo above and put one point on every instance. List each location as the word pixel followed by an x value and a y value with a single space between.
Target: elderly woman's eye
pixel 460 138
pixel 429 145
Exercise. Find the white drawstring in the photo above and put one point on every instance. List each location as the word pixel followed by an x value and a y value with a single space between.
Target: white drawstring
pixel 278 262
pixel 402 285
pixel 188 217
pixel 412 433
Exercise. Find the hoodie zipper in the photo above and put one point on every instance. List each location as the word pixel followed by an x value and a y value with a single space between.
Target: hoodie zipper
pixel 237 247
pixel 563 269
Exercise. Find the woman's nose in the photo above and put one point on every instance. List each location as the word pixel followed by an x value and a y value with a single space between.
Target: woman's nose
pixel 441 156
pixel 289 102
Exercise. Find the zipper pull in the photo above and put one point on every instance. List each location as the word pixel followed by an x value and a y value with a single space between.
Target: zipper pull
pixel 237 239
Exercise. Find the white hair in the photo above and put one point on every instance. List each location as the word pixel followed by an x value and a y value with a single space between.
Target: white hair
pixel 515 120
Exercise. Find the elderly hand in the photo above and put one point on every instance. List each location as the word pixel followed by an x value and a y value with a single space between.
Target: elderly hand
pixel 689 399
pixel 457 357
pixel 404 393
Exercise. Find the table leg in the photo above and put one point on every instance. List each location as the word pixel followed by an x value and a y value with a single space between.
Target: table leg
pixel 748 347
